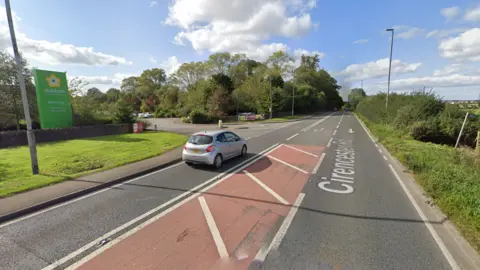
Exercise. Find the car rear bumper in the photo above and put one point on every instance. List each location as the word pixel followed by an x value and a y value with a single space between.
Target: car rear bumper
pixel 206 158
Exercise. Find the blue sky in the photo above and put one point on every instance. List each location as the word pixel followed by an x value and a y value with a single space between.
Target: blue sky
pixel 104 41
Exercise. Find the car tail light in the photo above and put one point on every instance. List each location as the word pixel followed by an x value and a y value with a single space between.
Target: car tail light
pixel 185 147
pixel 210 148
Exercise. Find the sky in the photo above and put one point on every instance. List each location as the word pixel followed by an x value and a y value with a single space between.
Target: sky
pixel 436 43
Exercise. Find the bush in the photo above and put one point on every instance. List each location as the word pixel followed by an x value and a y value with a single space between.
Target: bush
pixel 163 113
pixel 200 117
pixel 123 114
pixel 146 124
pixel 425 131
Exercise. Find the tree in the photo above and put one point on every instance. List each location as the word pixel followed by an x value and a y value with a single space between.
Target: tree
pixel 150 81
pixel 96 95
pixel 189 73
pixel 354 97
pixel 123 114
pixel 113 94
pixel 130 84
pixel 219 63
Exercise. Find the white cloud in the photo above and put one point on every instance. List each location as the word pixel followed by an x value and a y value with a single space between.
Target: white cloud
pixel 445 32
pixel 170 65
pixel 54 53
pixel 453 80
pixel 360 41
pixel 239 26
pixel 376 69
pixel 152 60
pixel 110 81
pixel 472 15
pixel 450 12
pixel 447 70
pixel 464 47
pixel 407 32
pixel 153 3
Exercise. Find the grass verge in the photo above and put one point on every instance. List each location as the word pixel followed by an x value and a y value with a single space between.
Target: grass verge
pixel 64 160
pixel 450 176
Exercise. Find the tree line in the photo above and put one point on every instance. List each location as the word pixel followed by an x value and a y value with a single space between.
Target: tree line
pixel 219 86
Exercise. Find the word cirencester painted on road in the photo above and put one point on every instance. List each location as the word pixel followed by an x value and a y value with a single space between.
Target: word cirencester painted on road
pixel 342 177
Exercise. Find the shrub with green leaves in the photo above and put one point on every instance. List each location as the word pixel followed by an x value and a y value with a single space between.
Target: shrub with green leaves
pixel 200 117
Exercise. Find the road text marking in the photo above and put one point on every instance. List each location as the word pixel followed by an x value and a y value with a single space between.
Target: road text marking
pixel 288 164
pixel 269 190
pixel 217 238
pixel 343 171
pixel 299 150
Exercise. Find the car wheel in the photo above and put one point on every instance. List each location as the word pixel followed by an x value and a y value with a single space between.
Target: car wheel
pixel 244 151
pixel 218 161
pixel 189 164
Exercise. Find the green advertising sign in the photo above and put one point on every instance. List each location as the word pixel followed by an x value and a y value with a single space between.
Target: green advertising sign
pixel 53 99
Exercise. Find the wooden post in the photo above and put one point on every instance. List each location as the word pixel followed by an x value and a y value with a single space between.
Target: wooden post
pixel 477 148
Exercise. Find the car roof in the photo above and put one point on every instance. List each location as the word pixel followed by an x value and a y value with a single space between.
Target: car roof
pixel 210 132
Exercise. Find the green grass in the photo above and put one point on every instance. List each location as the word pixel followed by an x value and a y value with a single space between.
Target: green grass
pixel 68 159
pixel 450 176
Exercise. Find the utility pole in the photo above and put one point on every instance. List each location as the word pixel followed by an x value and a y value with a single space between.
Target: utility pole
pixel 21 81
pixel 361 84
pixel 389 66
pixel 293 95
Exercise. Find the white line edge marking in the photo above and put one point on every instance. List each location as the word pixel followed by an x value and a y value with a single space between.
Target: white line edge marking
pixel 268 189
pixel 314 171
pixel 334 132
pixel 429 226
pixel 227 174
pixel 292 137
pixel 299 150
pixel 87 196
pixel 329 142
pixel 277 240
pixel 366 130
pixel 217 238
pixel 384 157
pixel 288 164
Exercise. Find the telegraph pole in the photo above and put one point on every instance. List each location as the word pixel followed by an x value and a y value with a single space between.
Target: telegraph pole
pixel 21 81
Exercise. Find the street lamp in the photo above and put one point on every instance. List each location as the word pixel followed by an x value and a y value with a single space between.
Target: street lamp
pixel 271 97
pixel 293 95
pixel 30 135
pixel 389 66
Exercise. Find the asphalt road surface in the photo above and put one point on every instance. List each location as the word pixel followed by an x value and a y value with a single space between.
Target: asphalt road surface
pixel 313 194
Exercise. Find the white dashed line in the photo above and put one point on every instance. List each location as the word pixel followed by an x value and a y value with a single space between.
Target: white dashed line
pixel 289 138
pixel 314 171
pixel 329 142
pixel 384 157
pixel 334 132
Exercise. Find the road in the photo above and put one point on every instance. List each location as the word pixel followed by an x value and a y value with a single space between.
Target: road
pixel 313 194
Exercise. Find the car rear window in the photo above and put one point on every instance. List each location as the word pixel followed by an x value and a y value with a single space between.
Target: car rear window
pixel 200 139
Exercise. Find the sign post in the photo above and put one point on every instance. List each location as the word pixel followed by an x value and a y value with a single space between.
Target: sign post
pixel 461 130
pixel 53 99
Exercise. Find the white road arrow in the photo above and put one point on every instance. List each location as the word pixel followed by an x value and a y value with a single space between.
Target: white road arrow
pixel 350 131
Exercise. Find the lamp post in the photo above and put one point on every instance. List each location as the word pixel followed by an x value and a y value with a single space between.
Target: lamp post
pixel 30 135
pixel 389 66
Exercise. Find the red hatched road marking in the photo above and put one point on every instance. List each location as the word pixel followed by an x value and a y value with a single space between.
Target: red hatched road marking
pixel 245 214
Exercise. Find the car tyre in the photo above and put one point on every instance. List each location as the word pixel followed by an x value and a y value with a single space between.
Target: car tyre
pixel 218 161
pixel 244 151
pixel 189 164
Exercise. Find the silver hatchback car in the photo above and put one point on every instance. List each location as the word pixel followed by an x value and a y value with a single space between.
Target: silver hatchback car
pixel 213 147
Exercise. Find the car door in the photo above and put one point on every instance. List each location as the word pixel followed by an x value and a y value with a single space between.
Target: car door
pixel 234 141
pixel 223 145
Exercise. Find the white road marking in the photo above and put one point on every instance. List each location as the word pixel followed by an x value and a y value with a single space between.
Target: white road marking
pixel 380 150
pixel 384 157
pixel 334 132
pixel 316 123
pixel 289 138
pixel 277 240
pixel 366 130
pixel 429 226
pixel 350 131
pixel 268 189
pixel 299 150
pixel 87 196
pixel 217 238
pixel 329 142
pixel 322 129
pixel 314 171
pixel 288 164
pixel 223 177
pixel 344 170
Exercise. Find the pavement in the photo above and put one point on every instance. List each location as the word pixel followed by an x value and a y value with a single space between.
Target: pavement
pixel 314 194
